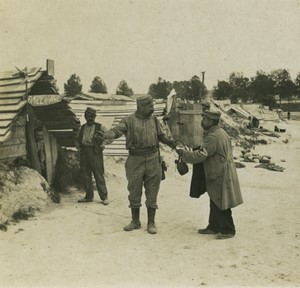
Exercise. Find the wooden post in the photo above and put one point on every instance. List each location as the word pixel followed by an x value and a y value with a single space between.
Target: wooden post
pixel 202 86
pixel 31 145
pixel 48 156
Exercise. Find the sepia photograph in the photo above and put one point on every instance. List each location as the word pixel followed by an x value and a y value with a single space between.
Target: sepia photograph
pixel 149 144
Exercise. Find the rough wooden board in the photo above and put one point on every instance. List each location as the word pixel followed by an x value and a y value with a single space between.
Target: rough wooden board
pixel 14 73
pixel 4 123
pixel 54 150
pixel 13 151
pixel 11 95
pixel 44 100
pixel 18 81
pixel 16 88
pixel 13 141
pixel 189 112
pixel 15 101
pixel 48 155
pixel 3 131
pixel 4 138
pixel 12 108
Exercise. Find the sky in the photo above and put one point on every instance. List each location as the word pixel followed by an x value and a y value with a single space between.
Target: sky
pixel 141 40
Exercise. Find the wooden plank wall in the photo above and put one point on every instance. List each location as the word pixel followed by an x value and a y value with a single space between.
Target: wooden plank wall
pixel 185 123
pixel 15 145
pixel 109 115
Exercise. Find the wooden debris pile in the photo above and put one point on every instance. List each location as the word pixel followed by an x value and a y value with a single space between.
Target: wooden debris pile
pixel 263 161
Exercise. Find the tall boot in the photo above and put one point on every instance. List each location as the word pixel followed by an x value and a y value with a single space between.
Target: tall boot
pixel 135 222
pixel 151 227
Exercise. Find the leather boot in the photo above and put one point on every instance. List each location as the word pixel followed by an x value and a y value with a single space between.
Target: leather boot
pixel 151 227
pixel 135 222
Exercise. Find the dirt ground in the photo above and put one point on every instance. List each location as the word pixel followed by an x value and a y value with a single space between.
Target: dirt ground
pixel 84 245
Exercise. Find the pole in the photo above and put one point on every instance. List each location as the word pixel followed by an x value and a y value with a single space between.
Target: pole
pixel 202 86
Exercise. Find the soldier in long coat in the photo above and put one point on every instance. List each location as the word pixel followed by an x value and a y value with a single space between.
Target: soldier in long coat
pixel 222 183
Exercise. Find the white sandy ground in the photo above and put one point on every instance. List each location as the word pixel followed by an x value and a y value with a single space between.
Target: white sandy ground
pixel 84 245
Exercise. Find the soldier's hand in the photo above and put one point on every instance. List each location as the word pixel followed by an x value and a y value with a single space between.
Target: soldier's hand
pixel 99 137
pixel 99 134
pixel 180 152
pixel 109 135
pixel 172 144
pixel 203 151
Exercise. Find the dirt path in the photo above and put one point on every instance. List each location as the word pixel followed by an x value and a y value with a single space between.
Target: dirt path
pixel 84 245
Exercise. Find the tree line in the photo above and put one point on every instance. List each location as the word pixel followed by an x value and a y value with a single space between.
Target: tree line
pixel 262 88
pixel 73 86
pixel 192 89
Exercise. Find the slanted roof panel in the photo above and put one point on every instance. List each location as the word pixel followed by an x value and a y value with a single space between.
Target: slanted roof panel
pixel 8 116
pixel 4 123
pixel 10 101
pixel 14 74
pixel 11 95
pixel 18 87
pixel 4 137
pixel 19 80
pixel 4 130
pixel 13 108
pixel 12 92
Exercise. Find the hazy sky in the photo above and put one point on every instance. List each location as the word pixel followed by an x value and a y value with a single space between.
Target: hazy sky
pixel 138 41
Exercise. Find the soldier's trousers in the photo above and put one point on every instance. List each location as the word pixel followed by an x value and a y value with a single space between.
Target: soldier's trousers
pixel 143 171
pixel 91 163
pixel 220 220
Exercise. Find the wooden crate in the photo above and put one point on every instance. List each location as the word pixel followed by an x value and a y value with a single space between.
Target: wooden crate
pixel 185 123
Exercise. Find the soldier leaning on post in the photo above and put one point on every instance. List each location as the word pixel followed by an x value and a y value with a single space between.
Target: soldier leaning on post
pixel 143 165
pixel 222 184
pixel 90 147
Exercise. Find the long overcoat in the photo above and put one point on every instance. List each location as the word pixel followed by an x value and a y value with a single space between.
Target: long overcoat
pixel 222 181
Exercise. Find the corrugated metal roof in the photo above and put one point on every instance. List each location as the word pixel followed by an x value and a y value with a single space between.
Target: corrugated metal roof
pixel 13 91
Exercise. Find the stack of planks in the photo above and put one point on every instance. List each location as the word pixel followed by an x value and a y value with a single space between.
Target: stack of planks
pixel 14 88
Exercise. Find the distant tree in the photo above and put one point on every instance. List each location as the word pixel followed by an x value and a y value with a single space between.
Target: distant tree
pixel 239 87
pixel 183 89
pixel 98 86
pixel 222 90
pixel 198 89
pixel 161 89
pixel 284 86
pixel 261 85
pixel 297 85
pixel 123 89
pixel 73 85
pixel 269 100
